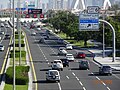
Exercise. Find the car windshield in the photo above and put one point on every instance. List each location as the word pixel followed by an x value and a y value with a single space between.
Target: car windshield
pixel 53 73
pixel 69 45
pixel 1 45
pixel 80 53
pixel 106 67
pixel 57 61
pixel 84 62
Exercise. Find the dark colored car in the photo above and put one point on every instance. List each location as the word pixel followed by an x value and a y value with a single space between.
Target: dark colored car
pixel 105 69
pixel 60 41
pixel 80 55
pixel 84 64
pixel 42 40
pixel 65 62
pixel 32 26
pixel 7 36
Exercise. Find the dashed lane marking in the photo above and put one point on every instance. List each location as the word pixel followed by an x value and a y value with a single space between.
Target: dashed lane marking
pixel 67 77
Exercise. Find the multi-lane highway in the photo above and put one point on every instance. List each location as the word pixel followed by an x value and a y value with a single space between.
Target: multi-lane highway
pixel 4 42
pixel 71 77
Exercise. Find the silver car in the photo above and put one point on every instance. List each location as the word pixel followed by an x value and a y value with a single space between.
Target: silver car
pixel 53 75
pixel 105 69
pixel 62 51
pixel 1 47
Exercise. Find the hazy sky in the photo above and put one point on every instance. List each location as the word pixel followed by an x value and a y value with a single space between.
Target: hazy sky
pixel 4 3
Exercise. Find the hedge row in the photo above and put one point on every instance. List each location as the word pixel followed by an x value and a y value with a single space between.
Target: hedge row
pixel 21 75
pixel 17 53
pixel 17 36
pixel 18 32
pixel 17 43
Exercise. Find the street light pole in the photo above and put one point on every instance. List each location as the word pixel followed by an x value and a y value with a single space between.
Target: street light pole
pixel 13 48
pixel 103 35
pixel 10 10
pixel 19 29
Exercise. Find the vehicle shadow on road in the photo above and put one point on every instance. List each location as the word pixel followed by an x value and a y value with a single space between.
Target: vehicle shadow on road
pixel 45 69
pixel 54 54
pixel 42 81
pixel 96 74
pixel 74 69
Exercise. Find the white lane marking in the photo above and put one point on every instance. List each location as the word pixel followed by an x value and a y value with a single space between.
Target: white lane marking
pixel 3 35
pixel 116 76
pixel 108 88
pixel 84 88
pixel 41 51
pixel 73 73
pixel 77 78
pixel 103 83
pixel 67 77
pixel 98 78
pixel 80 83
pixel 59 86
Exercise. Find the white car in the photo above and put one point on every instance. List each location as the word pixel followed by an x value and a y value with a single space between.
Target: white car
pixel 33 33
pixel 0 38
pixel 2 32
pixel 57 65
pixel 62 51
pixel 2 25
pixel 70 57
pixel 1 47
pixel 69 47
pixel 53 75
pixel 7 26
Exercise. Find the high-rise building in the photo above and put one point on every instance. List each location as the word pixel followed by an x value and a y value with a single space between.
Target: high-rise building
pixel 25 5
pixel 50 4
pixel 32 2
pixel 43 6
pixel 58 4
pixel 69 4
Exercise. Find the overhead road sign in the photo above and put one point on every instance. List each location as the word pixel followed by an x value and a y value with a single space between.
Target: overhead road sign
pixel 21 9
pixel 93 9
pixel 88 22
pixel 34 11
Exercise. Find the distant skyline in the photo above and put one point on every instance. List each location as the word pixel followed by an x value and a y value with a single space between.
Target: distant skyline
pixel 4 4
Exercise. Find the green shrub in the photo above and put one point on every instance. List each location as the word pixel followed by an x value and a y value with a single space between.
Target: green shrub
pixel 17 53
pixel 17 43
pixel 17 36
pixel 21 75
pixel 18 32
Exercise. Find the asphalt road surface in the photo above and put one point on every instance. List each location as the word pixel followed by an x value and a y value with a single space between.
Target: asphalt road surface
pixel 71 77
pixel 5 42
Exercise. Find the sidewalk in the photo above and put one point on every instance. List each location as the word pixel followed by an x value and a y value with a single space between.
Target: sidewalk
pixel 107 60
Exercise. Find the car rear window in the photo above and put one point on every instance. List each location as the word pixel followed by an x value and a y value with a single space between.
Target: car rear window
pixel 53 73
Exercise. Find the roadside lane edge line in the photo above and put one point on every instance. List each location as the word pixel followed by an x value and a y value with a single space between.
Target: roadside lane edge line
pixel 30 56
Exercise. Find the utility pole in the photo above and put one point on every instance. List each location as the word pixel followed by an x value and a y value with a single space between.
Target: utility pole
pixel 13 48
